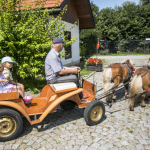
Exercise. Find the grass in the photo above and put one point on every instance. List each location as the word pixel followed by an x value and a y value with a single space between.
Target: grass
pixel 83 67
pixel 130 131
pixel 121 54
pixel 84 70
pixel 119 138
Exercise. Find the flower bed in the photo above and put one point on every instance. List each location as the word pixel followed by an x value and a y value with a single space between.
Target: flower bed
pixel 94 64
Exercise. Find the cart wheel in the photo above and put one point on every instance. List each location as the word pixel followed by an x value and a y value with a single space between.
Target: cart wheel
pixel 67 105
pixel 94 113
pixel 10 124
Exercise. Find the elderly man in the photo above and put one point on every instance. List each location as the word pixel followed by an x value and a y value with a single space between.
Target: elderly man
pixel 54 70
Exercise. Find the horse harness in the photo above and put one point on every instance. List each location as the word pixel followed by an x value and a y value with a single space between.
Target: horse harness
pixel 129 69
pixel 147 70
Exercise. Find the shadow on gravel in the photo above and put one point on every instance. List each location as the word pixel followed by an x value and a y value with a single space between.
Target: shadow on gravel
pixel 52 120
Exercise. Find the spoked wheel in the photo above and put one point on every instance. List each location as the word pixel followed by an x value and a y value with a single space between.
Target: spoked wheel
pixel 94 113
pixel 10 124
pixel 68 105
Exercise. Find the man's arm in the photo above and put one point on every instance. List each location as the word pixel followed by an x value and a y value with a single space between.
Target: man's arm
pixel 69 70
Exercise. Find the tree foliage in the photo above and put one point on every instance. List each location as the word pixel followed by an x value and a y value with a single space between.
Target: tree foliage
pixel 145 2
pixel 130 21
pixel 88 37
pixel 26 35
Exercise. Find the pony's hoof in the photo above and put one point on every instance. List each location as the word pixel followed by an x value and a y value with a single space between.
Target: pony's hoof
pixel 143 105
pixel 114 98
pixel 108 100
pixel 131 109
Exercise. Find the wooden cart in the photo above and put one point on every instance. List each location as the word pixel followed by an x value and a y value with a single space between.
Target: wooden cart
pixel 67 95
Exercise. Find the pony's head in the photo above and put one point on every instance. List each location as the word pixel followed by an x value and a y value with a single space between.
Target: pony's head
pixel 129 62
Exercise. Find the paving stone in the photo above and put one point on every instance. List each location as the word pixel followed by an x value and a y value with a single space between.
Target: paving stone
pixel 147 146
pixel 143 141
pixel 83 147
pixel 15 146
pixel 95 145
pixel 1 146
pixel 139 146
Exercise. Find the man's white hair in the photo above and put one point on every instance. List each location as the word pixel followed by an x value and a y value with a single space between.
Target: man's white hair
pixel 55 45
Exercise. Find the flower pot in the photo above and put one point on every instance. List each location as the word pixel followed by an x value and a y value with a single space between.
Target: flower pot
pixel 94 67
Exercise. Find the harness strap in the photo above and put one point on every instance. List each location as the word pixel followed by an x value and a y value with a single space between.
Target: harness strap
pixel 147 70
pixel 130 72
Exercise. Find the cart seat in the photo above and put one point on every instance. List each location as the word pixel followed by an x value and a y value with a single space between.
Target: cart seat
pixel 63 87
pixel 9 96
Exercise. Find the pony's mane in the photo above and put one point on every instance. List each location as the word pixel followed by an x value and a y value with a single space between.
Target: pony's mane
pixel 125 60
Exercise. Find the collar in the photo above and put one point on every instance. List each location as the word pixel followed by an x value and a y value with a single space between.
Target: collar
pixel 53 50
pixel 5 68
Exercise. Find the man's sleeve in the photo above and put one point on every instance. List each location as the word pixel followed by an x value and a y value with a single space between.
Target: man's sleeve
pixel 56 64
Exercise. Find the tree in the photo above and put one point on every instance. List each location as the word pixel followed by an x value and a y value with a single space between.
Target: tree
pixel 145 2
pixel 26 35
pixel 88 37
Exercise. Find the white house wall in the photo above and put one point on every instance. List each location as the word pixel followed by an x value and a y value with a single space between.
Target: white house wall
pixel 74 47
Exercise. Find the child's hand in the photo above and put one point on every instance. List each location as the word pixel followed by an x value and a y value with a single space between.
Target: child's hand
pixel 5 80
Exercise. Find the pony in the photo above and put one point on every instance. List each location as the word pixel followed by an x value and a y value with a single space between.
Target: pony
pixel 140 83
pixel 117 73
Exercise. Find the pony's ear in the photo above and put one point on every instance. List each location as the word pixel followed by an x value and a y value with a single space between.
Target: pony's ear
pixel 128 60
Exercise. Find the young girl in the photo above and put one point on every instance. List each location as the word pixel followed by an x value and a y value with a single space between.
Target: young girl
pixel 8 63
pixel 4 86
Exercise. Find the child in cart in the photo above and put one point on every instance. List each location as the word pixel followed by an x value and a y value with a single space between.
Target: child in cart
pixel 8 63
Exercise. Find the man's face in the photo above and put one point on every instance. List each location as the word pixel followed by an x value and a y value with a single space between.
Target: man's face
pixel 60 47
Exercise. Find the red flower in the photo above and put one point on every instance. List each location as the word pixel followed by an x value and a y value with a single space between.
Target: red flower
pixel 94 61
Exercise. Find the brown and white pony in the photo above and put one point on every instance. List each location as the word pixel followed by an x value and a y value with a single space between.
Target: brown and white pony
pixel 140 83
pixel 117 73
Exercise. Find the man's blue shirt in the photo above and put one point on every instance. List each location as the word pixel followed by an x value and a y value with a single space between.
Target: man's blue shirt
pixel 53 64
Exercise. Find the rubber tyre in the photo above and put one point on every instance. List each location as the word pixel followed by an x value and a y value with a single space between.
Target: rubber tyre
pixel 94 113
pixel 8 116
pixel 68 105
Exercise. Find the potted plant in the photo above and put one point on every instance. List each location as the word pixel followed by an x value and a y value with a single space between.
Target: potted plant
pixel 94 64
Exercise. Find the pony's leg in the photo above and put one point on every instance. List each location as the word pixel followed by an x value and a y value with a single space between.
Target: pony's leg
pixel 126 89
pixel 135 89
pixel 107 76
pixel 117 80
pixel 132 101
pixel 143 96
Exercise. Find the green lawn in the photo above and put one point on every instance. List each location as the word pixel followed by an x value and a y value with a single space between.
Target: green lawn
pixel 84 70
pixel 123 54
pixel 83 67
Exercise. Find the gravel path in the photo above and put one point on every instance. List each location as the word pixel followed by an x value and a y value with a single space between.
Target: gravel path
pixel 66 130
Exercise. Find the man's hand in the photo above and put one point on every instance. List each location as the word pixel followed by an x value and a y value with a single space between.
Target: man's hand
pixel 78 68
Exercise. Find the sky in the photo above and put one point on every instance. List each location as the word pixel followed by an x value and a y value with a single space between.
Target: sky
pixel 111 3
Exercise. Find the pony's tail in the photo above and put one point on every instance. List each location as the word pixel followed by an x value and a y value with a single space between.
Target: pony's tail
pixel 107 76
pixel 136 87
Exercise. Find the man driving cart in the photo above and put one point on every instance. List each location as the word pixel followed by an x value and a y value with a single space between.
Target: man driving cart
pixel 54 70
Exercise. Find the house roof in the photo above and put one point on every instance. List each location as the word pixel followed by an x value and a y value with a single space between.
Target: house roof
pixel 84 12
pixel 83 9
pixel 47 3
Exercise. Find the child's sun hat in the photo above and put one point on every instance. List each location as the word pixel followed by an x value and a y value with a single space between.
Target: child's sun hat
pixel 7 59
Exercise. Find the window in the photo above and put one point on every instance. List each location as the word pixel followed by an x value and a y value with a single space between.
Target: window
pixel 68 53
